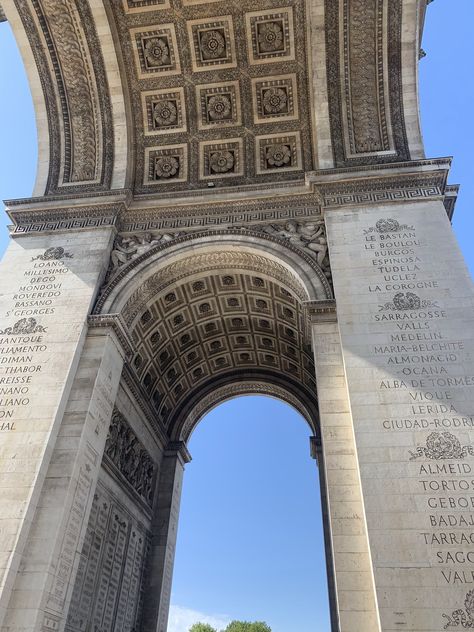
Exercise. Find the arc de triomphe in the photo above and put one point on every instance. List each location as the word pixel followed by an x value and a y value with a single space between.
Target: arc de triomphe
pixel 231 200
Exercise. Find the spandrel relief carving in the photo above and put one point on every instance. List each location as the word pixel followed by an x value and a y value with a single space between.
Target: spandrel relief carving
pixel 309 237
pixel 127 249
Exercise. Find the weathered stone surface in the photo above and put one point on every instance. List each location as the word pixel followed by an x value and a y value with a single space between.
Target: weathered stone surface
pixel 48 287
pixel 230 202
pixel 405 302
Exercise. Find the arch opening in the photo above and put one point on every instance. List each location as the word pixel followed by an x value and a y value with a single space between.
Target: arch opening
pixel 207 322
pixel 250 543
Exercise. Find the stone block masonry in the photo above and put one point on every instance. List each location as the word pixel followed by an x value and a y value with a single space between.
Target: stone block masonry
pixel 405 310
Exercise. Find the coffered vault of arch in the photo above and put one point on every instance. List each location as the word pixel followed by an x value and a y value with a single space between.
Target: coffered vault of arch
pixel 162 96
pixel 212 322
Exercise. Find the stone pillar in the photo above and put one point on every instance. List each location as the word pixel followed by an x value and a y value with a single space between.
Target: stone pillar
pixel 406 319
pixel 49 282
pixel 47 570
pixel 350 577
pixel 164 533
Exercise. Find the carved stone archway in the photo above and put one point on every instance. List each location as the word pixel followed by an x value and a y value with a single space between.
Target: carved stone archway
pixel 213 179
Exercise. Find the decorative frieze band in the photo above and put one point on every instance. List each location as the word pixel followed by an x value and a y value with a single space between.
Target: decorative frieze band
pixel 74 223
pixel 351 197
pixel 410 181
pixel 72 71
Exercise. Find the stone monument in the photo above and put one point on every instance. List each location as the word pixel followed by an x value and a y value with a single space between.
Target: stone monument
pixel 231 200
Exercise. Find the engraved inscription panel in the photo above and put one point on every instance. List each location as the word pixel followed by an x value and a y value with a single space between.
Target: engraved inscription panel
pixel 110 576
pixel 46 296
pixel 404 301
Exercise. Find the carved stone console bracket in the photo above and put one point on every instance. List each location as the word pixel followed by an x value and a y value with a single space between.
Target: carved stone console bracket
pixel 315 446
pixel 321 311
pixel 116 324
pixel 178 448
pixel 450 199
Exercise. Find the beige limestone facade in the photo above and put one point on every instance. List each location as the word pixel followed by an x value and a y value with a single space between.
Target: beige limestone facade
pixel 231 199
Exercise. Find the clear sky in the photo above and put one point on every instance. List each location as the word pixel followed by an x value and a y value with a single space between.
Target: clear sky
pixel 250 541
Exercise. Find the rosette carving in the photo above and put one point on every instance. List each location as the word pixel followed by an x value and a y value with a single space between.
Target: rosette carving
pixel 270 37
pixel 156 52
pixel 275 100
pixel 278 155
pixel 219 107
pixel 222 161
pixel 165 113
pixel 166 167
pixel 212 45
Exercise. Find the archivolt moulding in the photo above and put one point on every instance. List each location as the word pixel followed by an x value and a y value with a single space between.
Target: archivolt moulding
pixel 190 416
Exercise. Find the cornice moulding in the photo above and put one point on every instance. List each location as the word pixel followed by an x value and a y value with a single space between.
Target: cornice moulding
pixel 330 188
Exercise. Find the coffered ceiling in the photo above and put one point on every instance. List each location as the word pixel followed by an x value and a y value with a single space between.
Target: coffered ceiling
pixel 163 97
pixel 219 91
pixel 199 331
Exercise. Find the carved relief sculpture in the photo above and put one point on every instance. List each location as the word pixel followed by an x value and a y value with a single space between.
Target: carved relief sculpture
pixel 130 457
pixel 309 237
pixel 127 249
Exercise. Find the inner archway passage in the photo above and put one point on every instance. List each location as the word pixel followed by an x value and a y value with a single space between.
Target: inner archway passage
pixel 218 328
pixel 250 542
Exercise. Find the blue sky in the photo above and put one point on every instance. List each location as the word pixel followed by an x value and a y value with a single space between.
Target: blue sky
pixel 250 541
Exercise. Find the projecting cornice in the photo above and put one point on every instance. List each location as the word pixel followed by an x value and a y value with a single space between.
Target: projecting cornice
pixel 410 181
pixel 322 190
